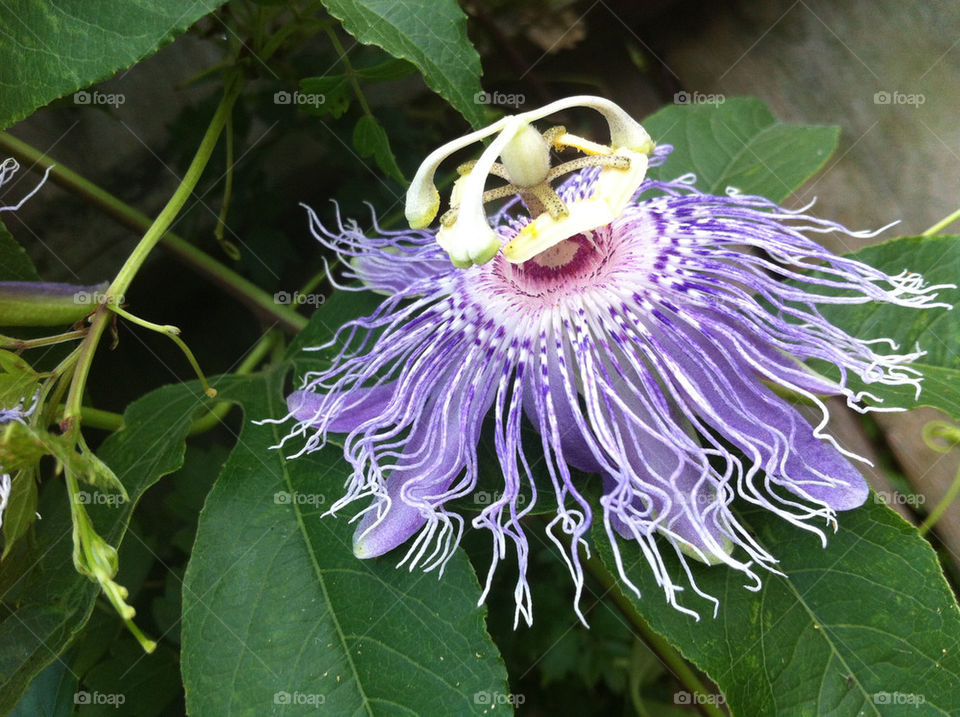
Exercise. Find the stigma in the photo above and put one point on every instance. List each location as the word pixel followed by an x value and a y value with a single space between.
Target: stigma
pixel 525 163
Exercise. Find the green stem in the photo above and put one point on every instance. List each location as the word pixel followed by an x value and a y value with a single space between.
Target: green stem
pixel 193 79
pixel 97 418
pixel 110 421
pixel 245 291
pixel 942 224
pixel 172 333
pixel 55 385
pixel 228 247
pixel 941 507
pixel 124 277
pixel 941 437
pixel 663 649
pixel 18 345
pixel 351 74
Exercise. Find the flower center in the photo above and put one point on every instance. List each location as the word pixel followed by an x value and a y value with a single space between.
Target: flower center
pixel 557 255
pixel 573 265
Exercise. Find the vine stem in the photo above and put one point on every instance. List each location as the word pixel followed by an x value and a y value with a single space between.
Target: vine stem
pixel 663 649
pixel 949 434
pixel 942 224
pixel 120 283
pixel 18 345
pixel 941 507
pixel 350 72
pixel 110 421
pixel 172 333
pixel 205 265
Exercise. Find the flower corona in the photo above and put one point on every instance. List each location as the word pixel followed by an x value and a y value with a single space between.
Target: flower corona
pixel 639 326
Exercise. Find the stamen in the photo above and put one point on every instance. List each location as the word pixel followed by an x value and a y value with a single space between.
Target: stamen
pixel 526 166
pixel 551 201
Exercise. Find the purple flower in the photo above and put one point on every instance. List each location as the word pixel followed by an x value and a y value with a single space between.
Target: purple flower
pixel 642 350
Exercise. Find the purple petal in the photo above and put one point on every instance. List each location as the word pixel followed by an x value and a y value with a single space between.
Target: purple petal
pixel 761 424
pixel 361 405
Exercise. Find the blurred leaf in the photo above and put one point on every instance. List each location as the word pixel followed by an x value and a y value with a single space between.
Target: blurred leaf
pixel 336 93
pixel 189 487
pixel 52 48
pixel 739 144
pixel 867 625
pixel 433 38
pixel 15 265
pixel 936 331
pixel 50 694
pixel 131 682
pixel 370 139
pixel 99 635
pixel 47 602
pixel 392 69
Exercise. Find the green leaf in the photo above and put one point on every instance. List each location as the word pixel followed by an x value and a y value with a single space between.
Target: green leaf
pixel 853 629
pixel 50 48
pixel 336 93
pixel 15 265
pixel 278 611
pixel 51 694
pixel 46 602
pixel 434 39
pixel 18 380
pixel 370 139
pixel 130 682
pixel 937 331
pixel 18 386
pixel 739 144
pixel 21 509
pixel 22 446
pixel 392 69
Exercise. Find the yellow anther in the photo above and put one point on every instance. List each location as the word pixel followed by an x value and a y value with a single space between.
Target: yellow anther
pixel 584 145
pixel 612 192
